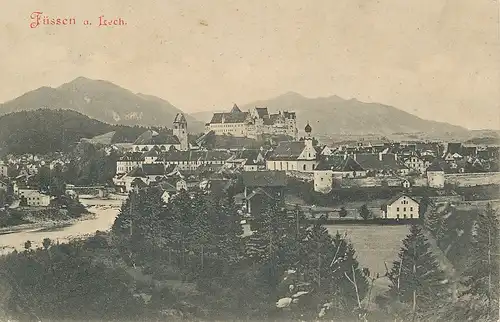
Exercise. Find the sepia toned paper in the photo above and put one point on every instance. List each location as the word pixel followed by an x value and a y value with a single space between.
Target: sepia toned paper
pixel 249 160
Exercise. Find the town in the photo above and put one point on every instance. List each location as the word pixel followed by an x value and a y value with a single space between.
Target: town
pixel 253 185
pixel 297 172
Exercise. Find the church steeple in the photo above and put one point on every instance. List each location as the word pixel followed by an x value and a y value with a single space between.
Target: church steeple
pixel 308 130
pixel 180 130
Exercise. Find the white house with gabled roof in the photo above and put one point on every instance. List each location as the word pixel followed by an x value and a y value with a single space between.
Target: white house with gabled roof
pixel 401 207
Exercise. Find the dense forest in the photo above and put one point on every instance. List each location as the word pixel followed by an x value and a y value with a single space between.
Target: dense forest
pixel 188 259
pixel 44 130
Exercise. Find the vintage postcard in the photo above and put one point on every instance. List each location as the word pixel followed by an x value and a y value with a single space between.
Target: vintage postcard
pixel 239 160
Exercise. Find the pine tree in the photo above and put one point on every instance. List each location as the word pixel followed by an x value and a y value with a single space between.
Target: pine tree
pixel 270 244
pixel 228 231
pixel 416 278
pixel 482 272
pixel 433 222
pixel 364 212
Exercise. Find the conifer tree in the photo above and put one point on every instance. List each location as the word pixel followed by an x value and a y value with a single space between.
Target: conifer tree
pixel 228 231
pixel 416 278
pixel 482 273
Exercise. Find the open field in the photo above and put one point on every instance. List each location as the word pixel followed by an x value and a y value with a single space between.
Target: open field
pixel 374 245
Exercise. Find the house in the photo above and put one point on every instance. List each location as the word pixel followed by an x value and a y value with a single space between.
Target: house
pixel 265 184
pixel 147 173
pixel 415 163
pixel 191 160
pixel 381 164
pixel 295 155
pixel 32 196
pixel 401 207
pixel 258 199
pixel 435 174
pixel 129 161
pixel 247 160
pixel 168 189
pixel 216 186
pixel 152 155
pixel 137 184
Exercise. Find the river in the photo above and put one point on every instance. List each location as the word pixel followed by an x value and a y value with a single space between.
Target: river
pixel 104 214
pixel 375 245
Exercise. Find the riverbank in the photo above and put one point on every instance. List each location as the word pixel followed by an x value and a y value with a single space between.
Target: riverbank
pixel 101 215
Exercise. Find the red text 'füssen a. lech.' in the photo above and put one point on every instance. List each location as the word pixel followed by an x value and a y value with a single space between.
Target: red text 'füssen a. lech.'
pixel 40 19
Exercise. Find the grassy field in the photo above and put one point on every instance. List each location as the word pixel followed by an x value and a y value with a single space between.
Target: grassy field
pixel 374 244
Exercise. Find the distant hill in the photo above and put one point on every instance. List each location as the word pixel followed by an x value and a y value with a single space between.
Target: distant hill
pixel 334 115
pixel 103 101
pixel 46 130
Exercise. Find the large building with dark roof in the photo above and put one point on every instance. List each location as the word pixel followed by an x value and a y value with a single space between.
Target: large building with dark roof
pixel 302 156
pixel 253 123
pixel 164 141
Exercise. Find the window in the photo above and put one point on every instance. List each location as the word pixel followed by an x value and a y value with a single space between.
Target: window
pixel 304 167
pixel 397 209
pixel 404 209
pixel 411 208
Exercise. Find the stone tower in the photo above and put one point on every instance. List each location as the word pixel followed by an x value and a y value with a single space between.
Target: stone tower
pixel 180 130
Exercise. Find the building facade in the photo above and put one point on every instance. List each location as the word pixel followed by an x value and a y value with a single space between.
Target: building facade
pixel 402 207
pixel 253 123
pixel 299 156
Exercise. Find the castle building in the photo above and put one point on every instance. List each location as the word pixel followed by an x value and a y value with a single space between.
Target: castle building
pixel 253 123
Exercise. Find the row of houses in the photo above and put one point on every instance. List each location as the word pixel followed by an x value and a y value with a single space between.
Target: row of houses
pixel 306 156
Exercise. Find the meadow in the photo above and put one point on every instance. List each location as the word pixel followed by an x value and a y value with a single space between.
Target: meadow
pixel 374 244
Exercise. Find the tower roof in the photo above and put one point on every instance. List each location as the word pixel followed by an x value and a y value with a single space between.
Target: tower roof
pixel 308 128
pixel 179 118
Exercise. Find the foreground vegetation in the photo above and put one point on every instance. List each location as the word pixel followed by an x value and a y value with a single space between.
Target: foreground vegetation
pixel 188 260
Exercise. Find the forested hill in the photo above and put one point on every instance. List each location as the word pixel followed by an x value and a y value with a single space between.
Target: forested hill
pixel 46 130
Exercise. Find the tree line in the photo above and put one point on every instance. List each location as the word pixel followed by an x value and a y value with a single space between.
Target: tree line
pixel 192 258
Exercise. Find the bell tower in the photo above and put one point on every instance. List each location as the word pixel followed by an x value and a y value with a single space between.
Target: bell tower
pixel 180 130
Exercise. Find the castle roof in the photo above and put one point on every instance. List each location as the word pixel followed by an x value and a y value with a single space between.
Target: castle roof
pixel 233 117
pixel 235 109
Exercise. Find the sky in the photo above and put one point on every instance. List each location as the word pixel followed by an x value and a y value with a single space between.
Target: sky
pixel 437 59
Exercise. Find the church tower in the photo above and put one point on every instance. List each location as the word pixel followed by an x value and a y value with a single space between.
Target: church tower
pixel 180 130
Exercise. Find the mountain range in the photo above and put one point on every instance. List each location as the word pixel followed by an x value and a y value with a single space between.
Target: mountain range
pixel 334 115
pixel 328 116
pixel 103 101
